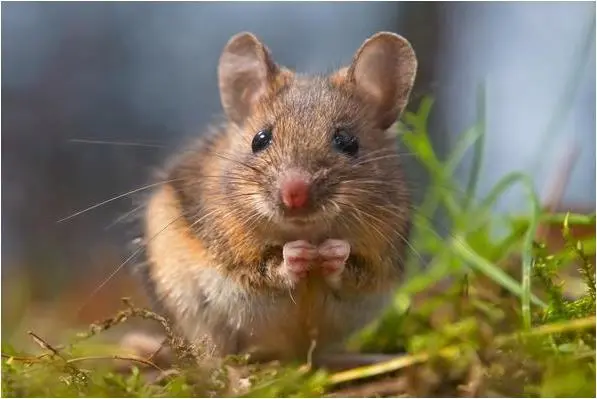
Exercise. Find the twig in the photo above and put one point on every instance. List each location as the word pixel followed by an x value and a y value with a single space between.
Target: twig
pixel 385 367
pixel 406 361
pixel 310 353
pixel 552 328
pixel 376 389
pixel 117 357
pixel 155 353
pixel 178 344
pixel 122 316
pixel 45 345
pixel 31 359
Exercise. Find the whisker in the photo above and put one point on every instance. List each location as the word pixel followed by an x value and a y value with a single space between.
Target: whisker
pixel 229 176
pixel 251 221
pixel 115 198
pixel 393 184
pixel 291 297
pixel 223 198
pixel 377 152
pixel 137 252
pixel 366 161
pixel 121 143
pixel 123 217
pixel 203 217
pixel 236 161
pixel 384 223
pixel 404 239
pixel 123 264
pixel 349 204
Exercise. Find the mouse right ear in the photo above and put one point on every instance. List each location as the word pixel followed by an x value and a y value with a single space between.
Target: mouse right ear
pixel 245 73
pixel 383 72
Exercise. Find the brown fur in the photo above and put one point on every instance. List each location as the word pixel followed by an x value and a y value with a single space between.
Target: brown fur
pixel 214 235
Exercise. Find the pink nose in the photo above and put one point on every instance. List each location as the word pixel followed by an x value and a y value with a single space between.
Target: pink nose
pixel 294 190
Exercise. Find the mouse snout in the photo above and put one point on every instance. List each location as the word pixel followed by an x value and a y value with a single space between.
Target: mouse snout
pixel 295 187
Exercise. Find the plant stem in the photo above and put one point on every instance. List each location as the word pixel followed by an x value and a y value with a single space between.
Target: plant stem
pixel 410 360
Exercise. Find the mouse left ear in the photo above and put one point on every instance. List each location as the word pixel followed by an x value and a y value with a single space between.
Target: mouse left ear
pixel 245 73
pixel 383 72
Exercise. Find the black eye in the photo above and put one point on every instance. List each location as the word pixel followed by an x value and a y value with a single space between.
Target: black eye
pixel 345 143
pixel 261 141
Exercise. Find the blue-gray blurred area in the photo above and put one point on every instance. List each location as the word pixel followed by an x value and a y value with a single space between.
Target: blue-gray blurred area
pixel 145 73
pixel 537 62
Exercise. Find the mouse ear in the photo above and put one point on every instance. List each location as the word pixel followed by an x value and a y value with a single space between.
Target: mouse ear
pixel 245 72
pixel 383 72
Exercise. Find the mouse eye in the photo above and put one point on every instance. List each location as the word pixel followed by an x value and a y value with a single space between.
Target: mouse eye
pixel 261 141
pixel 345 143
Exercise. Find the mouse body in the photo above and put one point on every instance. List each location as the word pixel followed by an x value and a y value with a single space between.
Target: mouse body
pixel 283 230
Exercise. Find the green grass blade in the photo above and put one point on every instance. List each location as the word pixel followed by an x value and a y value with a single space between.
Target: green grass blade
pixel 475 171
pixel 527 259
pixel 498 275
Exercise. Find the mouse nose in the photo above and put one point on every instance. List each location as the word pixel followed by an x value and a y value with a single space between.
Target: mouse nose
pixel 294 190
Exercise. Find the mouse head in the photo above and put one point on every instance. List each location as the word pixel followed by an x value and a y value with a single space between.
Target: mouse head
pixel 314 147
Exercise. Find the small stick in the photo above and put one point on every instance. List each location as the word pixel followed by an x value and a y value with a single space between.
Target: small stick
pixel 176 343
pixel 45 345
pixel 130 358
pixel 34 359
pixel 391 387
pixel 344 361
pixel 310 353
pixel 155 353
pixel 401 362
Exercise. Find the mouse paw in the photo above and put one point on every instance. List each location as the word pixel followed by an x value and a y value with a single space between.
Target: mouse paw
pixel 333 255
pixel 298 256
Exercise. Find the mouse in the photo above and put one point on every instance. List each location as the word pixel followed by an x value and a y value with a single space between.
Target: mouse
pixel 283 229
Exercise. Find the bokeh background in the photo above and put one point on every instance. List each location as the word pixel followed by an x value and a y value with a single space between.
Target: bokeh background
pixel 145 73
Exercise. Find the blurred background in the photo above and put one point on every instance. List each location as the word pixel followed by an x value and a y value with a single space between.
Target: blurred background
pixel 80 81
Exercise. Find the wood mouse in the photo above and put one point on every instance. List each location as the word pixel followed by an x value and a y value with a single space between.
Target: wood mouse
pixel 283 230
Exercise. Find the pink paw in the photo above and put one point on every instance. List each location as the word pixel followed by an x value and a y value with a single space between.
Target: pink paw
pixel 333 255
pixel 298 256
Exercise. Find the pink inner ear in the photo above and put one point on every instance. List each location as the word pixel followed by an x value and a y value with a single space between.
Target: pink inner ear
pixel 383 72
pixel 373 75
pixel 243 80
pixel 245 97
pixel 371 89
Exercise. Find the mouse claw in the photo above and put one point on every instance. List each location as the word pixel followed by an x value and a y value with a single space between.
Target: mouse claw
pixel 333 255
pixel 298 256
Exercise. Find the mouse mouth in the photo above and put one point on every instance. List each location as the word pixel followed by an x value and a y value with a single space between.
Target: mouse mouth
pixel 296 214
pixel 298 217
pixel 319 214
pixel 305 223
pixel 302 219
